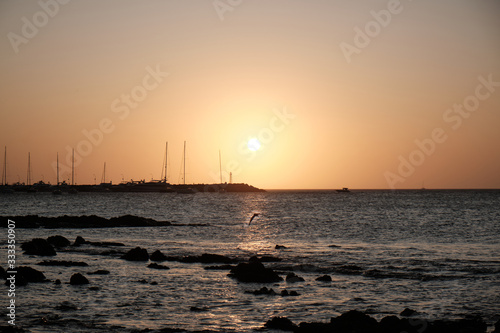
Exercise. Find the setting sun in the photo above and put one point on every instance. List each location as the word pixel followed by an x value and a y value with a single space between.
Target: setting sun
pixel 253 144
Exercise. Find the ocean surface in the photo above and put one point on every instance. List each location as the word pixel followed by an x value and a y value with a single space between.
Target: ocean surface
pixel 437 252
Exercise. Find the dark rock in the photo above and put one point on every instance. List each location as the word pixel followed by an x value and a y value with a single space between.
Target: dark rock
pixel 293 278
pixel 58 241
pixel 78 279
pixel 66 306
pixel 280 247
pixel 333 245
pixel 158 256
pixel 157 266
pixel 100 272
pixel 284 293
pixel 208 258
pixel 315 328
pixel 3 273
pixel 11 329
pixel 294 293
pixel 280 323
pixel 142 281
pixel 38 247
pixel 497 327
pixel 324 278
pixel 31 274
pixel 254 272
pixel 197 309
pixel 94 288
pixel 220 267
pixel 354 321
pixel 18 282
pixel 137 254
pixel 392 324
pixel 57 282
pixel 473 325
pixel 104 244
pixel 262 291
pixel 62 263
pixel 79 241
pixel 408 312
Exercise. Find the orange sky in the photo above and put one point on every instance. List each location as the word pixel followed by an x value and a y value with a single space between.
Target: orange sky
pixel 339 93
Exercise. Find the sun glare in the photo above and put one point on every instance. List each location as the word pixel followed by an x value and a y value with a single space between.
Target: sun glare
pixel 253 144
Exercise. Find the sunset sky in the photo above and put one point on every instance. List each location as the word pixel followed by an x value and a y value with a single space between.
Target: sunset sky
pixel 359 94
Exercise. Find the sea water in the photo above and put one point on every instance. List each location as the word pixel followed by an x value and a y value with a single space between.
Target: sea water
pixel 436 252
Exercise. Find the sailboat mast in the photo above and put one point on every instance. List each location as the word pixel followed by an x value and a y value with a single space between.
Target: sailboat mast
pixel 184 178
pixel 220 167
pixel 73 168
pixel 166 160
pixel 28 180
pixel 4 173
pixel 57 180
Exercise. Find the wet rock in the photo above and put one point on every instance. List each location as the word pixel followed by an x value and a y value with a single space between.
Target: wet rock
pixel 334 246
pixel 58 241
pixel 254 272
pixel 408 312
pixel 392 324
pixel 208 258
pixel 153 283
pixel 354 321
pixel 57 282
pixel 497 327
pixel 157 266
pixel 220 267
pixel 142 281
pixel 137 254
pixel 197 309
pixel 281 323
pixel 305 327
pixel 78 279
pixel 18 282
pixel 472 325
pixel 12 329
pixel 158 256
pixel 280 247
pixel 94 288
pixel 293 293
pixel 264 259
pixel 105 244
pixel 79 241
pixel 3 273
pixel 262 291
pixel 324 278
pixel 62 263
pixel 100 272
pixel 293 278
pixel 31 274
pixel 38 247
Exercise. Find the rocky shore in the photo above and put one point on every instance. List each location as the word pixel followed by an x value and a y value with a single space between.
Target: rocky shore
pixel 245 271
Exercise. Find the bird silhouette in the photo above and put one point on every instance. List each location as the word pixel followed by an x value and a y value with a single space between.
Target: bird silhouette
pixel 253 216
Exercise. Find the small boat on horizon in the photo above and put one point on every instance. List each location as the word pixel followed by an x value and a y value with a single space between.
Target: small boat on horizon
pixel 344 190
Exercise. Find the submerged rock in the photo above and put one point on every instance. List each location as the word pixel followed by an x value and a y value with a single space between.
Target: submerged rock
pixel 38 247
pixel 262 291
pixel 208 258
pixel 293 278
pixel 58 241
pixel 158 256
pixel 100 272
pixel 137 254
pixel 324 278
pixel 78 279
pixel 157 266
pixel 254 272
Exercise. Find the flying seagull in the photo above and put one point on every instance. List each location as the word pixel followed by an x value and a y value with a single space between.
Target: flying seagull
pixel 253 216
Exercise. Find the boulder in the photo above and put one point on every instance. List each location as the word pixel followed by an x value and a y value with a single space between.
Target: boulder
pixel 79 241
pixel 78 279
pixel 31 274
pixel 158 256
pixel 58 241
pixel 280 247
pixel 354 321
pixel 392 324
pixel 19 281
pixel 254 272
pixel 324 278
pixel 137 254
pixel 408 312
pixel 38 247
pixel 293 278
pixel 280 323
